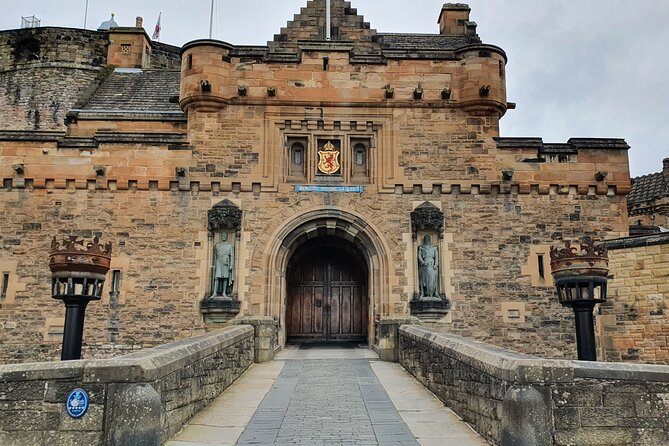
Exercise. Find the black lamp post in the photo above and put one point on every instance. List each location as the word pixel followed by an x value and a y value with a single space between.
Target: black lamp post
pixel 580 276
pixel 77 277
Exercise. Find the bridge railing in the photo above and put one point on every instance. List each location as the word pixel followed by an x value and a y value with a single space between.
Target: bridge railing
pixel 139 399
pixel 517 399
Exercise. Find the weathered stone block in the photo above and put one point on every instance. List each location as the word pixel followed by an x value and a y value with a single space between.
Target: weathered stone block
pixel 136 424
pixel 593 437
pixel 527 417
pixel 389 340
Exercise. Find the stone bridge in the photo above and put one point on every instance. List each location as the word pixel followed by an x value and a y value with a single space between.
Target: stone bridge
pixel 233 386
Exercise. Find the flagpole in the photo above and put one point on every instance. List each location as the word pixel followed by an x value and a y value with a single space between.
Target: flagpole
pixel 211 19
pixel 86 14
pixel 328 14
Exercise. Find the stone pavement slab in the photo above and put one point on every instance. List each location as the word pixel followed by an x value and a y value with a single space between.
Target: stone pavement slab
pixel 428 419
pixel 327 401
pixel 223 421
pixel 326 351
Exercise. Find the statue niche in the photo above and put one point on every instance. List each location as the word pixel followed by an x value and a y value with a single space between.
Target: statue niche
pixel 428 269
pixel 429 302
pixel 224 223
pixel 224 263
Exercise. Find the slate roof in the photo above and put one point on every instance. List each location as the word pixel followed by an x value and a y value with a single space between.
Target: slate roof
pixel 423 41
pixel 647 188
pixel 137 90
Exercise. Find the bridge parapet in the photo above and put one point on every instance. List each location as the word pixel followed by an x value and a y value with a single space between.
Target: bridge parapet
pixel 141 398
pixel 513 398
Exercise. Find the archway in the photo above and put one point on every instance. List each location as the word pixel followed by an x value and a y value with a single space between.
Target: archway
pixel 326 298
pixel 350 232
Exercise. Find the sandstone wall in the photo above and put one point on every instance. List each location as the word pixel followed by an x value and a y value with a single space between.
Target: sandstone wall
pixel 161 248
pixel 634 322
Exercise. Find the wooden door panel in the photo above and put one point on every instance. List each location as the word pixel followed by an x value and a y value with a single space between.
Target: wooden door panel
pixel 327 299
pixel 317 305
pixel 358 310
pixel 347 315
pixel 293 310
pixel 307 311
pixel 334 311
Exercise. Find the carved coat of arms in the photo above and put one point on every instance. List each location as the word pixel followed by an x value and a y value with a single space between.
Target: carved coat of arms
pixel 329 159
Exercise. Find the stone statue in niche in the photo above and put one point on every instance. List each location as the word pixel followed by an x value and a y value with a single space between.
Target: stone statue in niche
pixel 224 264
pixel 428 269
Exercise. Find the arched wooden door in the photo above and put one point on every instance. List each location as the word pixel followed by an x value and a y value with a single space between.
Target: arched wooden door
pixel 327 296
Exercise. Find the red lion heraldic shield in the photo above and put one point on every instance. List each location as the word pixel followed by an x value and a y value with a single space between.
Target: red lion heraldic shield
pixel 329 159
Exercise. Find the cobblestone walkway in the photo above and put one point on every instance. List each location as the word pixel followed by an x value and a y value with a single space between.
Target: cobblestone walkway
pixel 327 401
pixel 326 396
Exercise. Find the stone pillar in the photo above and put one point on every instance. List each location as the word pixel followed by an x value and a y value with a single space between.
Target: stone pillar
pixel 133 415
pixel 265 338
pixel 389 340
pixel 527 417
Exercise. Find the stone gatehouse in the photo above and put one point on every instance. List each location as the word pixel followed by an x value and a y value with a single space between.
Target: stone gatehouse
pixel 323 164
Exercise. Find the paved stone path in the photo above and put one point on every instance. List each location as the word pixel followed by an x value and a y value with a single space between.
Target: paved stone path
pixel 326 396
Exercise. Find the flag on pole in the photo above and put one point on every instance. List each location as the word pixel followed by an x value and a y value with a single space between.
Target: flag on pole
pixel 156 32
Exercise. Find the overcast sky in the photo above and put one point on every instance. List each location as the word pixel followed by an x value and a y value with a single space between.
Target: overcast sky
pixel 577 68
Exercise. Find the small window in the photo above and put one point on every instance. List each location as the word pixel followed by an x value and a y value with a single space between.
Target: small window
pixel 189 62
pixel 298 155
pixel 5 285
pixel 360 160
pixel 116 281
pixel 297 158
pixel 360 155
pixel 540 265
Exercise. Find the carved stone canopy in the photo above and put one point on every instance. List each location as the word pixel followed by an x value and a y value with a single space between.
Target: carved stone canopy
pixel 427 217
pixel 225 215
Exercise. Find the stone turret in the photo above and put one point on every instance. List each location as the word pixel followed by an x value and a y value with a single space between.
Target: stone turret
pixel 206 80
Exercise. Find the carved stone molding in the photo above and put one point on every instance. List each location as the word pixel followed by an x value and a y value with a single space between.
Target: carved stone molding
pixel 225 215
pixel 427 217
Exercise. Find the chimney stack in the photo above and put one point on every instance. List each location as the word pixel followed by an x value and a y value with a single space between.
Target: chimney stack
pixel 665 167
pixel 454 19
pixel 139 22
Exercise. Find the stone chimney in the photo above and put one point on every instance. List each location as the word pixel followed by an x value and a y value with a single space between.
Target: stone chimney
pixel 665 167
pixel 454 18
pixel 129 47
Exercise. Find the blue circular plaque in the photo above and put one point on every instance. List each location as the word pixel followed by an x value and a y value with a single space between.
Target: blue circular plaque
pixel 77 403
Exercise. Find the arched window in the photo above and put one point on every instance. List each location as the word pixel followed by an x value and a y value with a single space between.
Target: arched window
pixel 360 160
pixel 297 155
